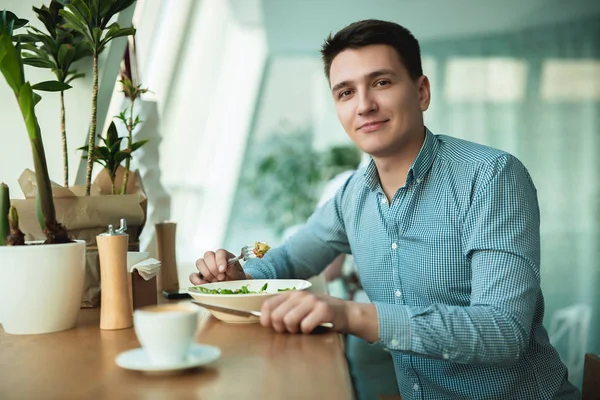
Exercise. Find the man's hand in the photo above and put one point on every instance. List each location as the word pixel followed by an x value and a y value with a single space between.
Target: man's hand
pixel 302 311
pixel 213 268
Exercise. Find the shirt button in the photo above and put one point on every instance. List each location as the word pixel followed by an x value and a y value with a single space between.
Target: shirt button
pixel 446 356
pixel 398 293
pixel 394 246
pixel 415 387
pixel 418 180
pixel 383 200
pixel 394 343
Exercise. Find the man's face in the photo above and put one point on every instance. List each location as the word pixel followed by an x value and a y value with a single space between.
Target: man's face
pixel 377 102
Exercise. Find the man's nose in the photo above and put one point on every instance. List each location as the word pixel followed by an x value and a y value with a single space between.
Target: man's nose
pixel 366 103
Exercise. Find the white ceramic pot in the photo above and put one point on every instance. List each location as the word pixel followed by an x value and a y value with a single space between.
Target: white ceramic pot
pixel 41 287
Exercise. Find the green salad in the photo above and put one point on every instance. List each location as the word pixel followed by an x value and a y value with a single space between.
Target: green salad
pixel 242 290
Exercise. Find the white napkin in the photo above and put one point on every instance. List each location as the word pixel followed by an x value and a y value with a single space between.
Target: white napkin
pixel 147 268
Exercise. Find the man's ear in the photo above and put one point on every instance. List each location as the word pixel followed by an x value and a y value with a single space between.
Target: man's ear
pixel 424 92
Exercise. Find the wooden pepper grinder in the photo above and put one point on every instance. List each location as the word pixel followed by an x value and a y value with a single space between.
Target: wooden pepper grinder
pixel 166 254
pixel 115 308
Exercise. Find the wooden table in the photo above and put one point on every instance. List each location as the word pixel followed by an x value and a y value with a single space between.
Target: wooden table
pixel 256 363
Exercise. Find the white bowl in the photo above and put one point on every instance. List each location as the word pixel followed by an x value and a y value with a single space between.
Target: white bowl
pixel 248 302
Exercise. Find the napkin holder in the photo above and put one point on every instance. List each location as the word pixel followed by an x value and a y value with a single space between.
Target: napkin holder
pixel 142 292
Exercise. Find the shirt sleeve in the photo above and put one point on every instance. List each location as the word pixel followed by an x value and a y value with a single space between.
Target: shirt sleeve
pixel 500 236
pixel 307 252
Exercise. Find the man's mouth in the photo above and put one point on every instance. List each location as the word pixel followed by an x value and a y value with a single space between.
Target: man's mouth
pixel 372 126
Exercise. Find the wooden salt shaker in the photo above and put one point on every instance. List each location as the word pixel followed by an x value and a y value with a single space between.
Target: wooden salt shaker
pixel 115 306
pixel 166 254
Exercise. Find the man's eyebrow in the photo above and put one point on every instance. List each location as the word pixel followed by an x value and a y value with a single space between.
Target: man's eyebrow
pixel 370 75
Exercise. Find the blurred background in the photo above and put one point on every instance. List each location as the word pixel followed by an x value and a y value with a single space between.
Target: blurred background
pixel 244 136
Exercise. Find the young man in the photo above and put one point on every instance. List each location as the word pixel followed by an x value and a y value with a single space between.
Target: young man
pixel 444 233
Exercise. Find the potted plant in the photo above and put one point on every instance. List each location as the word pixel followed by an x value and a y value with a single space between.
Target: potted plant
pixel 91 19
pixel 40 284
pixel 110 156
pixel 57 49
pixel 132 92
pixel 80 207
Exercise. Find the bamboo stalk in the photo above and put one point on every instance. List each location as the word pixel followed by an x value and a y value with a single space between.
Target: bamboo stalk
pixel 129 143
pixel 92 137
pixel 63 133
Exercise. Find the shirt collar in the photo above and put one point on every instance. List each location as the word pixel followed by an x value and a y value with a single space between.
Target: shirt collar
pixel 419 168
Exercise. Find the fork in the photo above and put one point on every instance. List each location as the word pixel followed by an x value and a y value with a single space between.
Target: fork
pixel 246 253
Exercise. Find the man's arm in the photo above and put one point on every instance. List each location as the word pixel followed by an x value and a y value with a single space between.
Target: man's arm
pixel 311 249
pixel 501 237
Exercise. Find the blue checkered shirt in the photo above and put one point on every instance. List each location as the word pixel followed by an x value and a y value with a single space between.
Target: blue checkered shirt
pixel 452 265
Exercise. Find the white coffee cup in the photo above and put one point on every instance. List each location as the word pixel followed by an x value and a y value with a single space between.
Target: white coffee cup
pixel 166 332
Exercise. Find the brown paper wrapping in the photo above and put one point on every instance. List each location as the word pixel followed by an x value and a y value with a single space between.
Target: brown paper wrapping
pixel 86 217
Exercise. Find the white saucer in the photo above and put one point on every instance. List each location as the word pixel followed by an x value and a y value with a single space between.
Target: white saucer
pixel 200 354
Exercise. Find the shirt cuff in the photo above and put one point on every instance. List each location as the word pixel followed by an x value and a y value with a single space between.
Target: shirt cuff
pixel 394 326
pixel 257 269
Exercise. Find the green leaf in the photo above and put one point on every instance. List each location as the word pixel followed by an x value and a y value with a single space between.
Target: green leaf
pixel 75 76
pixel 82 11
pixel 43 14
pixel 55 7
pixel 115 146
pixel 105 6
pixel 46 40
pixel 74 23
pixel 25 99
pixel 16 22
pixel 51 86
pixel 9 63
pixel 28 46
pixel 111 134
pixel 102 152
pixel 36 99
pixel 82 49
pixel 117 33
pixel 120 156
pixel 96 36
pixel 66 53
pixel 115 7
pixel 32 51
pixel 38 62
pixel 138 144
pixel 122 116
pixel 24 38
pixel 60 76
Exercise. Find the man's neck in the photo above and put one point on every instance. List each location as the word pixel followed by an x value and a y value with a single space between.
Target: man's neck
pixel 393 170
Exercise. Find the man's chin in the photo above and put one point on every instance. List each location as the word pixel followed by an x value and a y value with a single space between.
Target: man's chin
pixel 377 152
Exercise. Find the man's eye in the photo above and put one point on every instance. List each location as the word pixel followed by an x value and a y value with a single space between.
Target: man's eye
pixel 382 83
pixel 344 93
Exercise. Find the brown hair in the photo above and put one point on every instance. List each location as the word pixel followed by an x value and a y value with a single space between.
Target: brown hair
pixel 369 32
